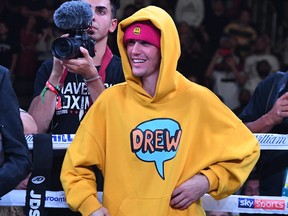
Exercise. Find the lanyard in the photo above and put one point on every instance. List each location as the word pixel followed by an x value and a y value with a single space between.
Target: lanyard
pixel 106 60
pixel 102 72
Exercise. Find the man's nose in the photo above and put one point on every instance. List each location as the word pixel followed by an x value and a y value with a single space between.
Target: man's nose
pixel 136 48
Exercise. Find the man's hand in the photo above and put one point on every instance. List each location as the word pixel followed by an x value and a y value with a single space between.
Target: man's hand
pixel 279 110
pixel 100 212
pixel 189 192
pixel 57 71
pixel 83 66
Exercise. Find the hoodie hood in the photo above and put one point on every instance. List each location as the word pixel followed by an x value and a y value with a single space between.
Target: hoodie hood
pixel 170 53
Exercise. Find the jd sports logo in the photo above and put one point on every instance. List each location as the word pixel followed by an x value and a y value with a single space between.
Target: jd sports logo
pixel 38 179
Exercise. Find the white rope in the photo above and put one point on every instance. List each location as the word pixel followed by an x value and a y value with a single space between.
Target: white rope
pixel 267 141
pixel 233 203
pixel 59 141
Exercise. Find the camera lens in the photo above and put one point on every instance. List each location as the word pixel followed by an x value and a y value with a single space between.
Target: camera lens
pixel 66 48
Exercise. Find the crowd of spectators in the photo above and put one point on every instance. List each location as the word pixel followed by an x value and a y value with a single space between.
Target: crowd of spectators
pixel 221 48
pixel 27 32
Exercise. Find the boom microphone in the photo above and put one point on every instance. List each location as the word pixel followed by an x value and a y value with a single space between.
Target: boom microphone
pixel 73 15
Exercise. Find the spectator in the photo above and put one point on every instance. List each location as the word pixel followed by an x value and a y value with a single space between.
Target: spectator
pixel 28 41
pixel 15 159
pixel 29 127
pixel 266 112
pixel 168 6
pixel 224 75
pixel 38 9
pixel 192 60
pixel 155 163
pixel 234 7
pixel 214 23
pixel 43 47
pixel 27 64
pixel 261 52
pixel 137 3
pixel 263 69
pixel 244 31
pixel 128 11
pixel 11 16
pixel 9 49
pixel 190 11
pixel 251 188
pixel 79 82
pixel 244 97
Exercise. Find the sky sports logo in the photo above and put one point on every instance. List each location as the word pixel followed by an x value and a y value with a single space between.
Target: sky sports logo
pixel 261 204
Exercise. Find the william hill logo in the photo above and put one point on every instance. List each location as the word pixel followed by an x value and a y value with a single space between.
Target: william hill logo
pixel 261 204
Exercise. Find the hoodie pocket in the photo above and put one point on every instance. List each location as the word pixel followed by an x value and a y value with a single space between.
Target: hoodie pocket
pixel 148 207
pixel 155 207
pixel 144 207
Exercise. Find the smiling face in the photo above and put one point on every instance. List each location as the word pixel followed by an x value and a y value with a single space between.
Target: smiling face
pixel 142 41
pixel 144 58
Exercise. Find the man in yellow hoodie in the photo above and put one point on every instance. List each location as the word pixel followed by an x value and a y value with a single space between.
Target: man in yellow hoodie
pixel 161 141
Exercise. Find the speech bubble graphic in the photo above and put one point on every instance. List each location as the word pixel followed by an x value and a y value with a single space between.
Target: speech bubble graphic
pixel 157 141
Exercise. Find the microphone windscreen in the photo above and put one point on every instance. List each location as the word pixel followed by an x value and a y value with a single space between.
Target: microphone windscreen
pixel 73 15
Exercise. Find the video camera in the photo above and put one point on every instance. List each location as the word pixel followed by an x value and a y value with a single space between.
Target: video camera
pixel 68 48
pixel 74 17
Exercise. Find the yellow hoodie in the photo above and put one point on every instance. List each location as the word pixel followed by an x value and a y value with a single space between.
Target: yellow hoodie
pixel 147 146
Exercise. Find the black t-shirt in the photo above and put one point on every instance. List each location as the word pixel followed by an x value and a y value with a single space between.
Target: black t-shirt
pixel 76 94
pixel 8 48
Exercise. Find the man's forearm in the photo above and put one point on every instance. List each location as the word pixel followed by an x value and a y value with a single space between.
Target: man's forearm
pixel 95 87
pixel 42 110
pixel 262 125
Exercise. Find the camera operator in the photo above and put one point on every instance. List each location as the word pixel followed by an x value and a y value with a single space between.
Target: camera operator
pixel 65 89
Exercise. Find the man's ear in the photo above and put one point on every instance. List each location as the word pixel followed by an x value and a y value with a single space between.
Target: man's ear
pixel 113 26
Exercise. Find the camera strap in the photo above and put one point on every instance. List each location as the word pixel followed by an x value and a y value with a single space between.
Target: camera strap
pixel 40 176
pixel 105 62
pixel 102 72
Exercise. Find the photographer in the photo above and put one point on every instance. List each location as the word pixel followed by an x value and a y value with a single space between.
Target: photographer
pixel 61 95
